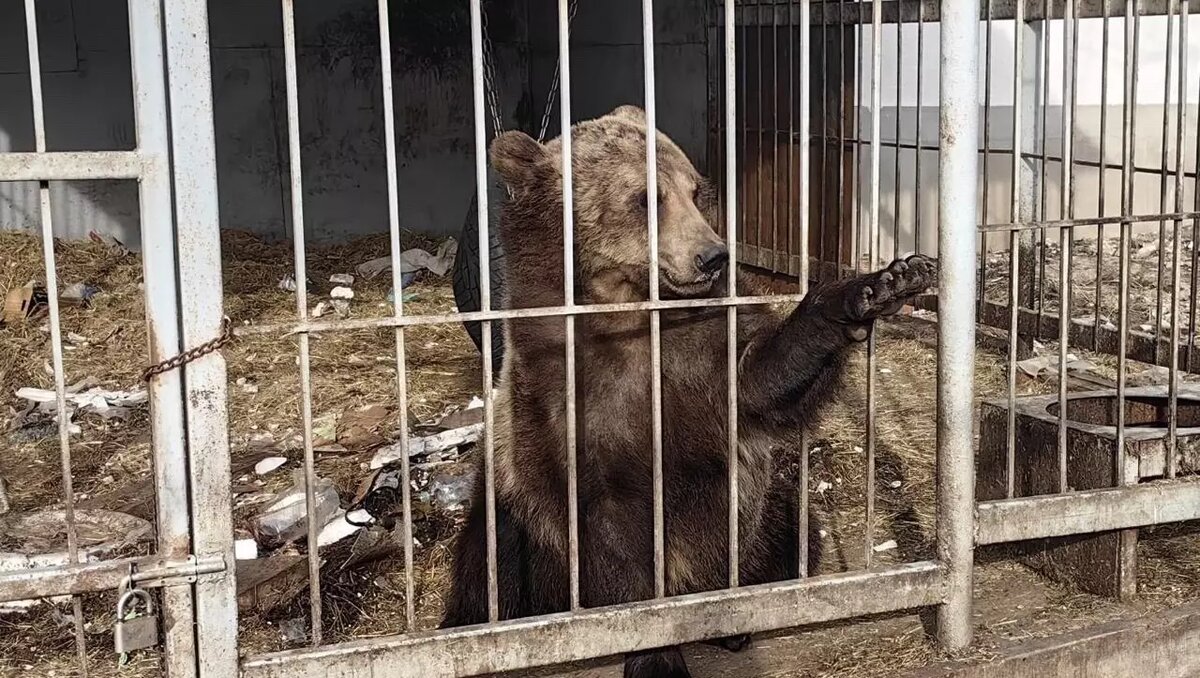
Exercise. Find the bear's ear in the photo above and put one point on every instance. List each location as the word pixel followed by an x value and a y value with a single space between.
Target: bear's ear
pixel 515 154
pixel 629 112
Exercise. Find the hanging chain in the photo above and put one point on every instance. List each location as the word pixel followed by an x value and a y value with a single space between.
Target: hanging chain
pixel 489 80
pixel 554 83
pixel 192 354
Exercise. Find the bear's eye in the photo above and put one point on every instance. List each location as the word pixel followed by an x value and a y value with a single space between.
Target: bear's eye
pixel 645 199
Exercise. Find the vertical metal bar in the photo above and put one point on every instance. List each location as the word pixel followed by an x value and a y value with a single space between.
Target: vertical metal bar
pixel 485 285
pixel 775 130
pixel 899 109
pixel 1162 195
pixel 56 349
pixel 959 131
pixel 841 145
pixel 759 136
pixel 876 108
pixel 1103 179
pixel 568 215
pixel 1014 247
pixel 389 133
pixel 920 109
pixel 1044 184
pixel 660 576
pixel 805 111
pixel 987 147
pixel 300 265
pixel 859 248
pixel 1177 240
pixel 1067 234
pixel 731 313
pixel 824 135
pixel 197 216
pixel 1128 137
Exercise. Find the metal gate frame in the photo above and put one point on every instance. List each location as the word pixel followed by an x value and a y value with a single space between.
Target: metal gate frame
pixel 178 213
pixel 585 633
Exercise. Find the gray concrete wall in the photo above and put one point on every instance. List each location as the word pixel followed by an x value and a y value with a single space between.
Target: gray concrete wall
pixel 85 54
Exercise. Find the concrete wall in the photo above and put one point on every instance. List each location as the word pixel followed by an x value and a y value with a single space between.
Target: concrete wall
pixel 85 55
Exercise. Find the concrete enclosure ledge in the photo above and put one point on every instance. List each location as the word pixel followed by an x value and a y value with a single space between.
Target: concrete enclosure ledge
pixel 1163 645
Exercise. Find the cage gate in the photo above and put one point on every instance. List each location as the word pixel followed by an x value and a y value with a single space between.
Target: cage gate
pixel 192 566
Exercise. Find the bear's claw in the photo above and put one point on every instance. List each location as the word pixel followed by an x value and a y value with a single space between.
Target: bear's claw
pixel 884 292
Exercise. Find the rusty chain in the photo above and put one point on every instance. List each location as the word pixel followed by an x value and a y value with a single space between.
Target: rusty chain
pixel 192 354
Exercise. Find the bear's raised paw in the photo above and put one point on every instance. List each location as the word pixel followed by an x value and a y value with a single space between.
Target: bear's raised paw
pixel 884 292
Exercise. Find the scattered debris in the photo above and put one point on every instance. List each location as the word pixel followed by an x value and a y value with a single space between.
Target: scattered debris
pixel 266 583
pixel 80 294
pixel 4 505
pixel 23 303
pixel 885 546
pixel 107 240
pixel 320 309
pixel 407 296
pixel 340 528
pixel 245 549
pixel 413 260
pixel 895 484
pixel 342 279
pixel 359 429
pixel 1047 365
pixel 449 488
pixel 341 307
pixel 342 293
pixel 269 464
pixel 85 397
pixel 1151 376
pixel 286 519
pixel 823 487
pixel 421 445
pixel 294 630
pixel 247 385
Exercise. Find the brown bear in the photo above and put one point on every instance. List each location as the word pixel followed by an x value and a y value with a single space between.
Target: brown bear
pixel 787 367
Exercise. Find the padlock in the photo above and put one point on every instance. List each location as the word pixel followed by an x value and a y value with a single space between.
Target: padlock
pixel 135 633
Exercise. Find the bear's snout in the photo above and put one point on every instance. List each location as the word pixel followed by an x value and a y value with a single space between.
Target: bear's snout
pixel 712 259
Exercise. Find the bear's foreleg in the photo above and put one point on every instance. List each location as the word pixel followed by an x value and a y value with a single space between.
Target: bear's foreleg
pixel 788 371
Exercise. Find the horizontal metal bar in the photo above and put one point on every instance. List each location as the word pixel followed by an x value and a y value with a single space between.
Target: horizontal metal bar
pixel 851 143
pixel 1009 520
pixel 851 13
pixel 567 637
pixel 1138 345
pixel 1090 221
pixel 46 582
pixel 72 166
pixel 545 312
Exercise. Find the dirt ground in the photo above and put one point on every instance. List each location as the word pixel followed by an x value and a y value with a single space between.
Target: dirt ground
pixel 355 370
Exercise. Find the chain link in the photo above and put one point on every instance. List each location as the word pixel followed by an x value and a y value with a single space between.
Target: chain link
pixel 192 354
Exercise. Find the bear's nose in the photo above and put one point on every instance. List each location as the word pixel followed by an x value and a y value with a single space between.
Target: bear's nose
pixel 713 258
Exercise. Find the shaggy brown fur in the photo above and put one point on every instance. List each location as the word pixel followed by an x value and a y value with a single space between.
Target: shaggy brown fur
pixel 786 369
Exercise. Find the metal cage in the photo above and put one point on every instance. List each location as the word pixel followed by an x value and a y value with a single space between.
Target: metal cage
pixel 806 214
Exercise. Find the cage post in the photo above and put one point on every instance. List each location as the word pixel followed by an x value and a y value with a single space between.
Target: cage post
pixel 198 239
pixel 1031 77
pixel 957 218
pixel 160 266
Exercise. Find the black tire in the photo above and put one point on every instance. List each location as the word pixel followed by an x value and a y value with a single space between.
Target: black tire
pixel 466 276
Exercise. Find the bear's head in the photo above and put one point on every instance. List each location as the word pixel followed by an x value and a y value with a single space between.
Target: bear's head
pixel 611 203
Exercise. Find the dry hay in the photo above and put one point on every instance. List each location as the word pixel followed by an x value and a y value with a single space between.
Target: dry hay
pixel 1149 258
pixel 355 369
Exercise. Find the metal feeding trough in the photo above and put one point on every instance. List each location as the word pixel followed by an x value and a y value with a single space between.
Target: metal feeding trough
pixel 1103 563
